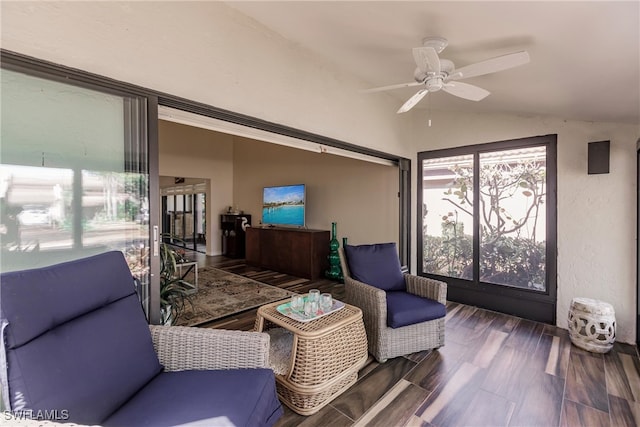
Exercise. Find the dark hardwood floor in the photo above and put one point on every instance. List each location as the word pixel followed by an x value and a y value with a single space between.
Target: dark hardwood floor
pixel 495 370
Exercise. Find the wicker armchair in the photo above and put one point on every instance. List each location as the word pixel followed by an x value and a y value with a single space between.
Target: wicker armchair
pixel 386 342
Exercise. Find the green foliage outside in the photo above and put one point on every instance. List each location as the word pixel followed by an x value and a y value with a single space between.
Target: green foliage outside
pixel 509 252
pixel 450 254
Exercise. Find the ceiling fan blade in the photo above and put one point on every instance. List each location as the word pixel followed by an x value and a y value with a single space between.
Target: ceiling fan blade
pixel 492 65
pixel 466 91
pixel 398 86
pixel 427 59
pixel 413 101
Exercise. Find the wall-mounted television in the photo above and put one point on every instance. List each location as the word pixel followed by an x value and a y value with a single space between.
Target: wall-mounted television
pixel 284 205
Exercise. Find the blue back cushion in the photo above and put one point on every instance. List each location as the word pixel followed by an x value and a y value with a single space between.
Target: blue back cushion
pixel 75 338
pixel 376 265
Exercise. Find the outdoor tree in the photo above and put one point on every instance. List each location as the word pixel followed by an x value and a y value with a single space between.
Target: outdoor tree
pixel 510 252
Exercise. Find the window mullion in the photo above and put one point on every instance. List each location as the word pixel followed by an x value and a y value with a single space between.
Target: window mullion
pixel 476 218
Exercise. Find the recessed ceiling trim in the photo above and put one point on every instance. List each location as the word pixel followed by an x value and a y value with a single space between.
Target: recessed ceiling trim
pixel 192 119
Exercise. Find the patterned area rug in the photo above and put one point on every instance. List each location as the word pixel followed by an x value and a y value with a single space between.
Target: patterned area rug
pixel 221 294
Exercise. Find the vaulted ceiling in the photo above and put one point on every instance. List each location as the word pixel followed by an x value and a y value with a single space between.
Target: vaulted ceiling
pixel 585 55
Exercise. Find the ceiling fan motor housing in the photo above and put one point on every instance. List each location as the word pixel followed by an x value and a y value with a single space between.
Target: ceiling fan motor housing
pixel 432 81
pixel 438 43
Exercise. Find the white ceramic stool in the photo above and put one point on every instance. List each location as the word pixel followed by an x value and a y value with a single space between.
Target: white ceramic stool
pixel 592 324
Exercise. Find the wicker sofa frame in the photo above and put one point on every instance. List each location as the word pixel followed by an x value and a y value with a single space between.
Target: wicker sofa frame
pixel 386 342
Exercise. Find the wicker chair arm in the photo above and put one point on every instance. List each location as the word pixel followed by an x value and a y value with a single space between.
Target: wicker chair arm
pixel 182 348
pixel 426 287
pixel 371 300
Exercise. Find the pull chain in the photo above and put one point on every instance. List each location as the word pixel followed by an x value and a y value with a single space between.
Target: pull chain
pixel 429 108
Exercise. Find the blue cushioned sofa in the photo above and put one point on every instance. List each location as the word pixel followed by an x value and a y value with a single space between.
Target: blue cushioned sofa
pixel 76 347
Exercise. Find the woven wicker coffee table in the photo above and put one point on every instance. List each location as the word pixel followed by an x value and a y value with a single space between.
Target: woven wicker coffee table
pixel 326 355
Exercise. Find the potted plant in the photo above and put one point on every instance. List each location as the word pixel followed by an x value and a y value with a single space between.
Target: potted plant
pixel 174 291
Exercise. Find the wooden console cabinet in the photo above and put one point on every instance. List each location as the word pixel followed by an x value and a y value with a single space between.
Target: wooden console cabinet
pixel 296 251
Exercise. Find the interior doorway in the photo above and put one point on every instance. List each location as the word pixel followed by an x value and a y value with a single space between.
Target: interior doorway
pixel 184 215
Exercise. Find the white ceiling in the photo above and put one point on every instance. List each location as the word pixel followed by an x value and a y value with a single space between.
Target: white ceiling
pixel 585 55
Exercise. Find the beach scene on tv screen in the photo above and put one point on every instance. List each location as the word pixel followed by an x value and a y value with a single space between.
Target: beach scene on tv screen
pixel 283 205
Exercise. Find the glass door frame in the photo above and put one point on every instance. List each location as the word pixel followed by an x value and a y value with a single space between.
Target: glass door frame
pixel 529 304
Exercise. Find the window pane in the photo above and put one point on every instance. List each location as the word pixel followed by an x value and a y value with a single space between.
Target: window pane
pixel 200 213
pixel 513 217
pixel 73 175
pixel 447 216
pixel 34 209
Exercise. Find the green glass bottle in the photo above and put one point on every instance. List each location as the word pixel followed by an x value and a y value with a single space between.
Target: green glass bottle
pixel 334 272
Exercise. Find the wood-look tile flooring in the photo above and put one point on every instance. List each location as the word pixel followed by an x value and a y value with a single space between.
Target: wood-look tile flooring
pixel 494 370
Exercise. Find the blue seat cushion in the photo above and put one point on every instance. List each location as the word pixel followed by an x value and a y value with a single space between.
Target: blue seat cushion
pixel 75 338
pixel 407 309
pixel 376 265
pixel 236 397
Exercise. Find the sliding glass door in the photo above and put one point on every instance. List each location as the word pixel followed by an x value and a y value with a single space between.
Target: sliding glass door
pixel 488 224
pixel 74 174
pixel 183 215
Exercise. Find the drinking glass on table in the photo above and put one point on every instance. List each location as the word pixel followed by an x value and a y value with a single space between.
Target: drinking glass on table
pixel 297 303
pixel 310 308
pixel 314 295
pixel 326 302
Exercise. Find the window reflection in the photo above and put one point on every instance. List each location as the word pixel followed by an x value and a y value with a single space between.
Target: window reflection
pixel 39 214
pixel 35 214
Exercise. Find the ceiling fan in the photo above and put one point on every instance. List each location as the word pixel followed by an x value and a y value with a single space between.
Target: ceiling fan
pixel 435 73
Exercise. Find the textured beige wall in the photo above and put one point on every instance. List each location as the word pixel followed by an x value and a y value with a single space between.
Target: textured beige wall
pixel 207 52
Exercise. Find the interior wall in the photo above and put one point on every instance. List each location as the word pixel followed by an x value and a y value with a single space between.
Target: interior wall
pixel 596 214
pixel 191 152
pixel 361 197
